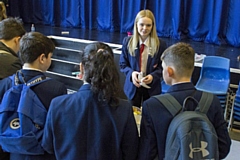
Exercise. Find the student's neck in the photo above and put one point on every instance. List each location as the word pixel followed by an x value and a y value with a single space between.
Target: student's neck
pixel 182 80
pixel 9 44
pixel 143 39
pixel 30 67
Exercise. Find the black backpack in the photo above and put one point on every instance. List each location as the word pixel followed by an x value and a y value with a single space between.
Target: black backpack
pixel 190 134
pixel 22 117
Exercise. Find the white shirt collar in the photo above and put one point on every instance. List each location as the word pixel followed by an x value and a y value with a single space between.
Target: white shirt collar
pixel 146 42
pixel 29 68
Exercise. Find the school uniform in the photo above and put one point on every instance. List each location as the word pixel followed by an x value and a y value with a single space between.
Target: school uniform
pixel 129 63
pixel 156 119
pixel 45 91
pixel 84 128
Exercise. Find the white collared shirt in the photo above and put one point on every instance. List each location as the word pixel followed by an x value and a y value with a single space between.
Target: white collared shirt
pixel 29 68
pixel 144 55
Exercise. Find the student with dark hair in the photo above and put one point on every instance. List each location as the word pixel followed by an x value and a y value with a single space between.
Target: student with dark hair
pixel 178 65
pixel 11 31
pixel 35 52
pixel 93 123
pixel 140 59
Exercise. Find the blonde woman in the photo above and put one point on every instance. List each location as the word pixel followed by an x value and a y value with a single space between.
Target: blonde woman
pixel 140 59
pixel 3 11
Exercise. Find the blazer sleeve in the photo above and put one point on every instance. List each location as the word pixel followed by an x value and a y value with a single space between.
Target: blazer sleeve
pixel 124 58
pixel 130 138
pixel 48 137
pixel 224 140
pixel 148 141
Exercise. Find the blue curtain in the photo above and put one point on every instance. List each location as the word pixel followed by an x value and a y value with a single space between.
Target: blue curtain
pixel 233 24
pixel 211 21
pixel 128 12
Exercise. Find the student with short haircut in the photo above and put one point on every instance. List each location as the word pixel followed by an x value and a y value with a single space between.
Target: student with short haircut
pixel 35 52
pixel 11 31
pixel 178 65
pixel 93 123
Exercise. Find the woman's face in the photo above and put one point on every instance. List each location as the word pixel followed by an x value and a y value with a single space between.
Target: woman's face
pixel 144 27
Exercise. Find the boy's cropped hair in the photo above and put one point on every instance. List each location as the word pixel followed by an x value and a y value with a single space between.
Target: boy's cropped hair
pixel 10 28
pixel 33 44
pixel 180 56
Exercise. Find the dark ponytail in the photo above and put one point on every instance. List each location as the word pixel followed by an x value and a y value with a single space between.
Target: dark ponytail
pixel 101 72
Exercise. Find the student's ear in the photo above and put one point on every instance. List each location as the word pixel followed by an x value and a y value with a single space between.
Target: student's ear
pixel 42 57
pixel 170 71
pixel 17 39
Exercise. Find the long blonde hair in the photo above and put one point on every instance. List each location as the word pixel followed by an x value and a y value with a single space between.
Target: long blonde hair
pixel 153 38
pixel 3 11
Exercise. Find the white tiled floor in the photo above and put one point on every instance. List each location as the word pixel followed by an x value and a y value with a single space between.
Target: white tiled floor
pixel 234 152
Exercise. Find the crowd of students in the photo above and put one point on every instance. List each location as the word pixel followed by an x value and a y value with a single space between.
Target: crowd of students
pixel 94 123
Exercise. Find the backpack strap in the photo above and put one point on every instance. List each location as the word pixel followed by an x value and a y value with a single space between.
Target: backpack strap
pixel 36 80
pixel 16 79
pixel 173 106
pixel 205 102
pixel 170 103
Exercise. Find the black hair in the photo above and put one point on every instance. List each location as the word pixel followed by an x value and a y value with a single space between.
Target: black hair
pixel 101 72
pixel 10 28
pixel 32 45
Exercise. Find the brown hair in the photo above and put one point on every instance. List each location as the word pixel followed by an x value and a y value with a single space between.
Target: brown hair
pixel 11 28
pixel 33 44
pixel 181 57
pixel 101 72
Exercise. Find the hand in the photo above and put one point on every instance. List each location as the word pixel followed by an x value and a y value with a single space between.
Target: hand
pixel 148 79
pixel 135 78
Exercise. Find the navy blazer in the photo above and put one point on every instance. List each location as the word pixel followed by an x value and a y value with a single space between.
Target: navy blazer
pixel 156 119
pixel 129 63
pixel 83 128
